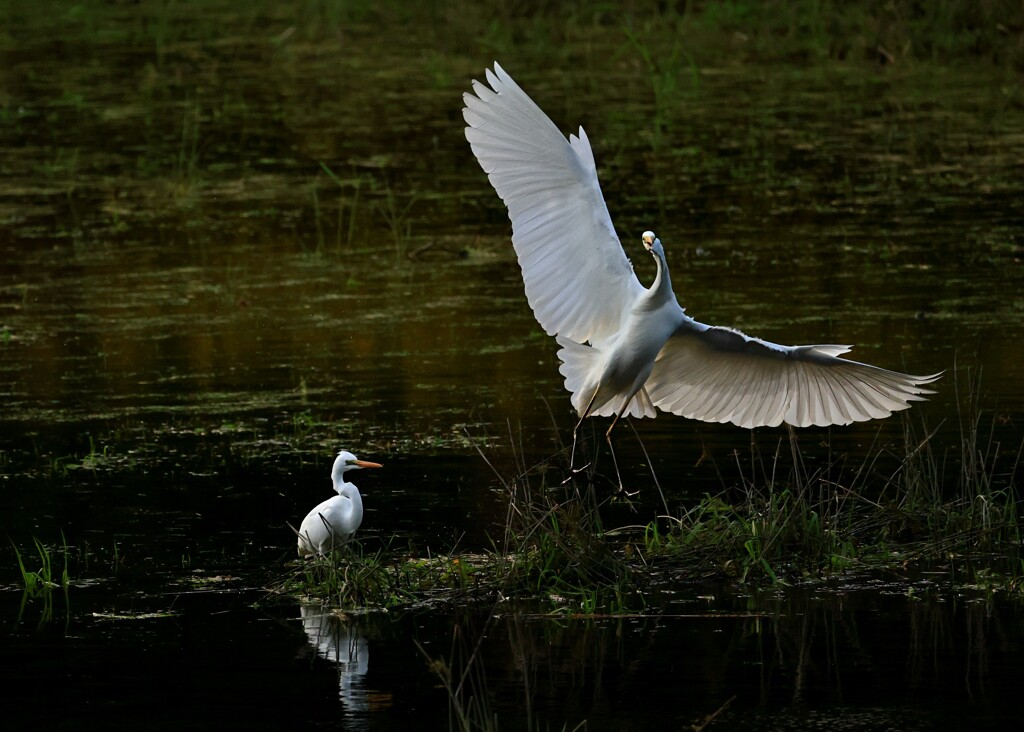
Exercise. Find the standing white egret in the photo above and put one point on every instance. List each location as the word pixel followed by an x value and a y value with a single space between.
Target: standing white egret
pixel 334 522
pixel 630 350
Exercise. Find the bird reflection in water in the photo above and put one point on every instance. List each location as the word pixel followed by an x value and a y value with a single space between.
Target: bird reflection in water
pixel 336 638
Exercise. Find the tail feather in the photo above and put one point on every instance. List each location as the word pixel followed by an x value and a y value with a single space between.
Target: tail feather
pixel 578 365
pixel 581 369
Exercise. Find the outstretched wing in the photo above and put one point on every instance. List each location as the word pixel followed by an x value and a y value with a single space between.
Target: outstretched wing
pixel 721 375
pixel 578 279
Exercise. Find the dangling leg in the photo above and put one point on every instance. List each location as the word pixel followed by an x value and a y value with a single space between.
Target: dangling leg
pixel 624 410
pixel 572 455
pixel 608 437
pixel 611 449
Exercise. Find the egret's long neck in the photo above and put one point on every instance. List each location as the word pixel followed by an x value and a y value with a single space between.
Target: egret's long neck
pixel 349 491
pixel 660 290
pixel 357 500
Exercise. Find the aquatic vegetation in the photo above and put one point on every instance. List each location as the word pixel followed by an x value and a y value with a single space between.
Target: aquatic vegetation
pixel 824 522
pixel 41 583
pixel 396 215
pixel 186 164
pixel 555 547
pixel 347 216
pixel 350 577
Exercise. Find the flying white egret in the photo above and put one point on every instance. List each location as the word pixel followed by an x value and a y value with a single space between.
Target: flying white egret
pixel 627 350
pixel 334 522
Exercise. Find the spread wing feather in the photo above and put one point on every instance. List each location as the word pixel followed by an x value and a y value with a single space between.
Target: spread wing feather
pixel 578 280
pixel 721 375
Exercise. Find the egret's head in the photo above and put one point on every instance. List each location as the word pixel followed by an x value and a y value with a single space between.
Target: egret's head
pixel 650 240
pixel 347 461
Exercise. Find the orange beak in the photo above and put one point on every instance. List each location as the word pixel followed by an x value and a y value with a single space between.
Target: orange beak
pixel 367 464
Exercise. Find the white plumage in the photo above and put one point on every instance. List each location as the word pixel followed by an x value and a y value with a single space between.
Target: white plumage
pixel 334 522
pixel 630 350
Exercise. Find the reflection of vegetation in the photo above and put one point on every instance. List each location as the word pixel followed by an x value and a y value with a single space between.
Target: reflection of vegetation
pixel 348 206
pixel 186 166
pixel 392 207
pixel 396 215
pixel 802 643
pixel 464 678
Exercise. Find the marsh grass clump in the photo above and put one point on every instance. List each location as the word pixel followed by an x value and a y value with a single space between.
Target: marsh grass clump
pixel 352 577
pixel 44 580
pixel 42 583
pixel 348 577
pixel 916 505
pixel 764 531
pixel 555 547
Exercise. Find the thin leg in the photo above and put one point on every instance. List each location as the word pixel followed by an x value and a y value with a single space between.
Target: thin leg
pixel 572 455
pixel 611 448
pixel 573 471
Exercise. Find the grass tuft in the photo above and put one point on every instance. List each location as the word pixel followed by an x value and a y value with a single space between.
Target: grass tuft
pixel 41 583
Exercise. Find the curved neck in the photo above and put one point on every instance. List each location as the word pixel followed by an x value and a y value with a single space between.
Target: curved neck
pixel 349 491
pixel 661 289
pixel 352 493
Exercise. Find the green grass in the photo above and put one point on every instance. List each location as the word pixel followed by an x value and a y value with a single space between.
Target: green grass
pixel 43 580
pixel 41 583
pixel 353 577
pixel 829 521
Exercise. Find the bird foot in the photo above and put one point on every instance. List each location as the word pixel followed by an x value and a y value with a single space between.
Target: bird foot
pixel 573 472
pixel 627 494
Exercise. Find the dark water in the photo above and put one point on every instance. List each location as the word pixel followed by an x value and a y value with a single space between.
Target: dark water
pixel 194 316
pixel 862 660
